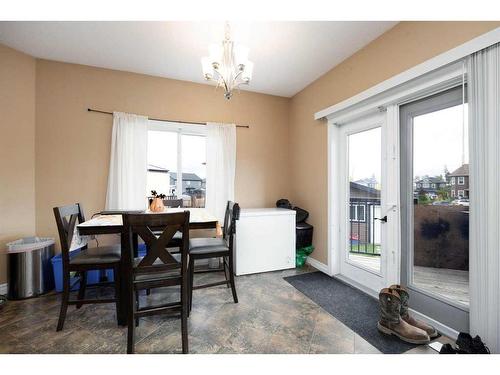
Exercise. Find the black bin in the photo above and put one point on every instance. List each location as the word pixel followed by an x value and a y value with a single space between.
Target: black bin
pixel 304 233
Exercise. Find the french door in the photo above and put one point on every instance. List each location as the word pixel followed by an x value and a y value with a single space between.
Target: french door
pixel 363 210
pixel 435 206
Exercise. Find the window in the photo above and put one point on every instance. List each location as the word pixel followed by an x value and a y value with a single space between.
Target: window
pixel 461 180
pixel 461 193
pixel 453 180
pixel 426 185
pixel 176 161
pixel 453 193
pixel 358 212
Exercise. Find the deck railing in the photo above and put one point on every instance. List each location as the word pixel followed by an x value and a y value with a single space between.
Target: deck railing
pixel 364 228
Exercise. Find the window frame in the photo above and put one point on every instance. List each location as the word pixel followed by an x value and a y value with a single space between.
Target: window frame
pixel 180 129
pixel 453 180
pixel 356 218
pixel 460 178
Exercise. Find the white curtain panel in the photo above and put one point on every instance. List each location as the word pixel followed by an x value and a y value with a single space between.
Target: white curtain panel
pixel 128 163
pixel 221 167
pixel 483 69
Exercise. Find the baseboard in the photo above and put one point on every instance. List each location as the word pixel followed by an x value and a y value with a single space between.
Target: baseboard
pixel 3 288
pixel 317 264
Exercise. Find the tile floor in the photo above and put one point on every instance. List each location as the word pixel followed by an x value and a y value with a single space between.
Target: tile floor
pixel 271 317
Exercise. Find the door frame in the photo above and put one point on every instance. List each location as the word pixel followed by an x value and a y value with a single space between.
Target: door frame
pixel 338 164
pixel 429 84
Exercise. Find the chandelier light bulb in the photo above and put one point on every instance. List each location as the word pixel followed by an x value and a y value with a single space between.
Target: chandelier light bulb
pixel 241 55
pixel 247 73
pixel 207 68
pixel 215 53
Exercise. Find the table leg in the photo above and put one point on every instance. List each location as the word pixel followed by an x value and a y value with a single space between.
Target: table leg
pixel 124 284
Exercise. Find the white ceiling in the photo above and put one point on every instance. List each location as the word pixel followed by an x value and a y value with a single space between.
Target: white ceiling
pixel 287 55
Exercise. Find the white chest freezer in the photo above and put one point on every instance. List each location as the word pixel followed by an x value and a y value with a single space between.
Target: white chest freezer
pixel 265 240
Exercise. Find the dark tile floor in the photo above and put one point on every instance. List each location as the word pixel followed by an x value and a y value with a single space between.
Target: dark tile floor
pixel 271 317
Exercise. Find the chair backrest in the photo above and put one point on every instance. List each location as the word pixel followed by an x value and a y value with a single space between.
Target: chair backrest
pixel 232 214
pixel 143 226
pixel 67 217
pixel 173 203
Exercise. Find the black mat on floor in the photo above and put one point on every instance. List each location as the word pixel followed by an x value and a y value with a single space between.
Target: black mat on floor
pixel 355 309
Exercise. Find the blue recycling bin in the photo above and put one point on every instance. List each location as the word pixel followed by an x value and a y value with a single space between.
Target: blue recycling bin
pixel 93 276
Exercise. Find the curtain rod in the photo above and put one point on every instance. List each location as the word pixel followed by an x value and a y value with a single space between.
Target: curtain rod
pixel 159 119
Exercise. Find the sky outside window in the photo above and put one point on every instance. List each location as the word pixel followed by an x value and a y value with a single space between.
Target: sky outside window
pixel 438 137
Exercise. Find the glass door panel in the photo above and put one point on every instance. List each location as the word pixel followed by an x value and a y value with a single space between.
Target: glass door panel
pixel 365 168
pixel 441 204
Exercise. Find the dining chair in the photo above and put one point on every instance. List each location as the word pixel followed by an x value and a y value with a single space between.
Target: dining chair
pixel 158 269
pixel 206 248
pixel 87 259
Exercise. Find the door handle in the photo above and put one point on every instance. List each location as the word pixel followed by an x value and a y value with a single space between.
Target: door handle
pixel 383 220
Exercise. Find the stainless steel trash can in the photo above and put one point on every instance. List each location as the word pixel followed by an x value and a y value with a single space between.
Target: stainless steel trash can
pixel 29 272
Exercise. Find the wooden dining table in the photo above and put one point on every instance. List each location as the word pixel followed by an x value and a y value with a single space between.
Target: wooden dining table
pixel 111 222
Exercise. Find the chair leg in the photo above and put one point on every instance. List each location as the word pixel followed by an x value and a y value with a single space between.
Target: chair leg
pixel 231 277
pixel 191 282
pixel 188 285
pixel 83 285
pixel 224 264
pixel 137 307
pixel 184 315
pixel 64 301
pixel 131 322
pixel 116 276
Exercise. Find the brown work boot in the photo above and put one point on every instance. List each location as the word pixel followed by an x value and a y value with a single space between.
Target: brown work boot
pixel 391 323
pixel 403 294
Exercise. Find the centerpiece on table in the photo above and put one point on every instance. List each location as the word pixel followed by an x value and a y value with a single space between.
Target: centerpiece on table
pixel 156 201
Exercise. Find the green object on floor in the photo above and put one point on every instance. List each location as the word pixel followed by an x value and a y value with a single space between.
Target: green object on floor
pixel 302 254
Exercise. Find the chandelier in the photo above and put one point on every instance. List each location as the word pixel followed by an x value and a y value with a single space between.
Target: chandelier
pixel 227 65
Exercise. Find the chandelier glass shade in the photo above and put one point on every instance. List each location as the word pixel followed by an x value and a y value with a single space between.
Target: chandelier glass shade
pixel 227 65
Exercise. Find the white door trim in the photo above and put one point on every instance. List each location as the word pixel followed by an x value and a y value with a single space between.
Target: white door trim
pixel 424 68
pixel 338 178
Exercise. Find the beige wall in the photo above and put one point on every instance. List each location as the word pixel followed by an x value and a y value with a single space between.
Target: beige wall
pixel 17 148
pixel 402 47
pixel 73 145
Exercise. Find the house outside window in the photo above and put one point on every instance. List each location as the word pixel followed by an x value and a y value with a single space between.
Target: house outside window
pixel 174 148
pixel 358 212
pixel 461 180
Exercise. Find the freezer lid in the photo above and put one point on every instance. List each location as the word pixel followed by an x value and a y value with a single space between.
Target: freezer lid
pixel 272 211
